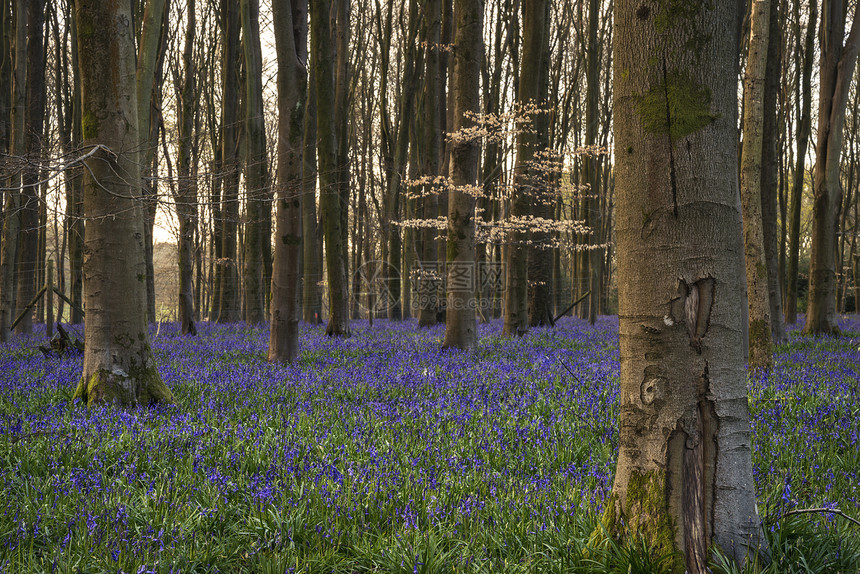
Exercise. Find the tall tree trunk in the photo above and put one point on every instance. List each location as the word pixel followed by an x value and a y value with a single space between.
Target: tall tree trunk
pixel 75 198
pixel 12 206
pixel 591 258
pixel 119 367
pixel 804 95
pixel 312 248
pixel 492 169
pixel 228 296
pixel 758 298
pixel 770 179
pixel 410 244
pixel 433 86
pixel 342 99
pixel 6 59
pixel 540 254
pixel 186 199
pixel 147 62
pixel 528 192
pixel 446 116
pixel 291 25
pixel 684 475
pixel 386 136
pixel 216 244
pixel 837 70
pixel 401 148
pixel 63 118
pixel 334 232
pixel 460 324
pixel 256 166
pixel 855 257
pixel 28 242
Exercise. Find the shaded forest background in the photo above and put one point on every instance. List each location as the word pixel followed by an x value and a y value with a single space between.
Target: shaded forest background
pixel 393 72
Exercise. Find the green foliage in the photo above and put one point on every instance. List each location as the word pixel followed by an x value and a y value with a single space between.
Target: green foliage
pixel 801 544
pixel 647 520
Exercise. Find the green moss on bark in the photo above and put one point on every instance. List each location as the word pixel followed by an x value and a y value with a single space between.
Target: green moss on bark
pixel 138 386
pixel 676 106
pixel 89 125
pixel 645 514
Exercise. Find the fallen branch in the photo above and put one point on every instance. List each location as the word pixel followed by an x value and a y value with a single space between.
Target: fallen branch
pixel 835 511
pixel 569 370
pixel 61 343
pixel 68 301
pixel 28 308
pixel 572 305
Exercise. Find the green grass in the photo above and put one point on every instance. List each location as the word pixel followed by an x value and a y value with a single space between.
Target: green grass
pixel 381 454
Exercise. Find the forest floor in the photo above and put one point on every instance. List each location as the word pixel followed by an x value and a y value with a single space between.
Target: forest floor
pixel 381 453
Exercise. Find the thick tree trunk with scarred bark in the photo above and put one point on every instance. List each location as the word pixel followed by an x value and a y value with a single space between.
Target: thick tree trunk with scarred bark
pixel 684 475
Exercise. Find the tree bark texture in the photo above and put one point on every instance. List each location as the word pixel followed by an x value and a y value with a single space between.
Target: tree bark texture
pixel 433 88
pixel 460 319
pixel 186 198
pixel 311 244
pixel 147 62
pixel 228 265
pixel 119 367
pixel 28 239
pixel 770 175
pixel 837 70
pixel 591 259
pixel 74 195
pixel 334 232
pixel 804 95
pixel 256 167
pixel 758 296
pixel 6 56
pixel 12 203
pixel 342 100
pixel 527 178
pixel 540 286
pixel 684 474
pixel 290 42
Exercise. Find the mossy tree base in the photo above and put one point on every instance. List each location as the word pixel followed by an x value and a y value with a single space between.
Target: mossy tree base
pixel 647 516
pixel 140 387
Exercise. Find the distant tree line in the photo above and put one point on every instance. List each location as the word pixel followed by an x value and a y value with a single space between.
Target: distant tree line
pixel 335 160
